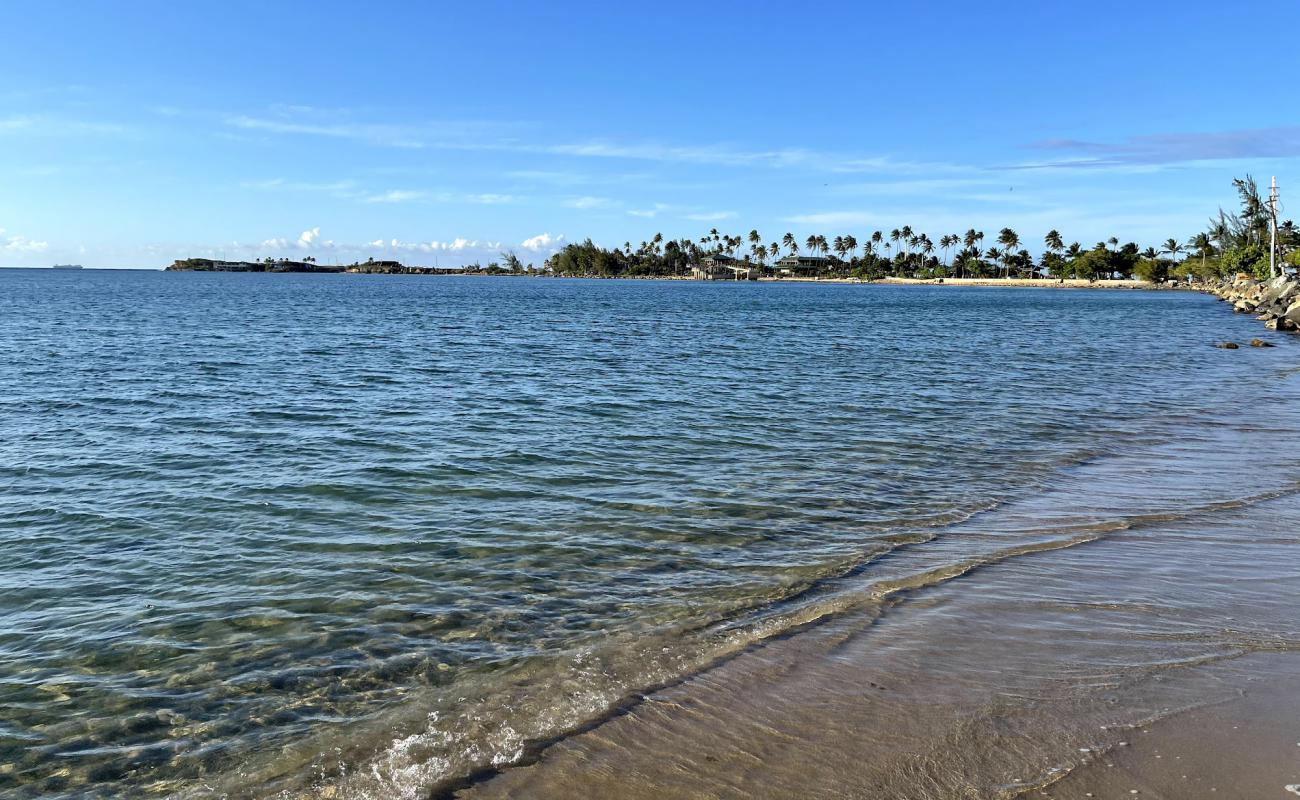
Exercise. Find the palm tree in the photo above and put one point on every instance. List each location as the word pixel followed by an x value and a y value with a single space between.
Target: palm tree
pixel 1053 241
pixel 754 238
pixel 1009 240
pixel 1113 242
pixel 1201 242
pixel 811 243
pixel 1221 233
pixel 894 236
pixel 839 247
pixel 774 251
pixel 852 245
pixel 970 241
pixel 790 244
pixel 946 241
pixel 1173 248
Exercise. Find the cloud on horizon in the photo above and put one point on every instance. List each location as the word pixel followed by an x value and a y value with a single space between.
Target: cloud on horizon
pixel 21 244
pixel 1171 148
pixel 470 136
pixel 543 243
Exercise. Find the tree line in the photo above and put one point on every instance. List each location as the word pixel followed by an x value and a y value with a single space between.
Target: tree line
pixel 1232 243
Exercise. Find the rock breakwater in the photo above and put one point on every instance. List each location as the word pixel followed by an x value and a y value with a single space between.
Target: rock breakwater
pixel 1275 302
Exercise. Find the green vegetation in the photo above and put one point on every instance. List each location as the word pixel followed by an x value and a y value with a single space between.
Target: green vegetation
pixel 1233 243
pixel 1238 243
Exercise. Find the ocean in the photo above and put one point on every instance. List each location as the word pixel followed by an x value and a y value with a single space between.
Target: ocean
pixel 378 536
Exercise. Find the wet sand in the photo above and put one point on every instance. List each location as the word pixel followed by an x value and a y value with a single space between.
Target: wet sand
pixel 1245 748
pixel 1021 674
pixel 1042 283
pixel 1015 283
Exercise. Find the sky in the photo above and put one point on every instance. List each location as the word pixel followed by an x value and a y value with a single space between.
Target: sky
pixel 134 133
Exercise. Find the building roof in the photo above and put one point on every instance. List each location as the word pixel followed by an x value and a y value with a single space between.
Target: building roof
pixel 802 259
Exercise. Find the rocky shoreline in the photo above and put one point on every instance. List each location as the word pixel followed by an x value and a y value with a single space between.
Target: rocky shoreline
pixel 1275 302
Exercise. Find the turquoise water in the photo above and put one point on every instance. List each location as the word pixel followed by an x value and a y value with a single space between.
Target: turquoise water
pixel 266 533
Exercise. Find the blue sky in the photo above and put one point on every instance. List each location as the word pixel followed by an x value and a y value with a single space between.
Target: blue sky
pixel 132 133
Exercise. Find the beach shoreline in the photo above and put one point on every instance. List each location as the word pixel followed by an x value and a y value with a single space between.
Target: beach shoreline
pixel 1247 746
pixel 1026 673
pixel 1014 283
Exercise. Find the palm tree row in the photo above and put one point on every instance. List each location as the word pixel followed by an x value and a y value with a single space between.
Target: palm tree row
pixel 1233 242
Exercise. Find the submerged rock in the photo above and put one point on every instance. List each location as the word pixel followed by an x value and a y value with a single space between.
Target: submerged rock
pixel 1227 345
pixel 1260 343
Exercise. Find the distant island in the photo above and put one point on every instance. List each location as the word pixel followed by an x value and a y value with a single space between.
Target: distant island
pixel 310 265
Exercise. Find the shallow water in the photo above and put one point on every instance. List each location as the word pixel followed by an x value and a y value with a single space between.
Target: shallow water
pixel 995 659
pixel 370 534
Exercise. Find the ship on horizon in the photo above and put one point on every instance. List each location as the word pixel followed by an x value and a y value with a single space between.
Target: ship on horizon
pixel 67 266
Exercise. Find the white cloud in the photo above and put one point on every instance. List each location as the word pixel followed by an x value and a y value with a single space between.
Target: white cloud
pixel 393 136
pixel 650 213
pixel 54 126
pixel 14 123
pixel 21 244
pixel 712 216
pixel 307 240
pixel 456 245
pixel 588 201
pixel 280 184
pixel 491 199
pixel 470 136
pixel 543 242
pixel 842 218
pixel 395 196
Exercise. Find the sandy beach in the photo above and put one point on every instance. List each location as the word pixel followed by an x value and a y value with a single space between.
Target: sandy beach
pixel 1071 283
pixel 1243 748
pixel 1156 657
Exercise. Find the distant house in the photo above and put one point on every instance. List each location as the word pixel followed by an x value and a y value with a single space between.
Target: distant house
pixel 719 267
pixel 802 265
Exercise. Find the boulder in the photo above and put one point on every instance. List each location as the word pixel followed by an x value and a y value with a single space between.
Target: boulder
pixel 1227 345
pixel 1260 343
pixel 1277 289
pixel 1292 313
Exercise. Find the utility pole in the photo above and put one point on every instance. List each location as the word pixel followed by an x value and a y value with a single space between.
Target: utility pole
pixel 1273 268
